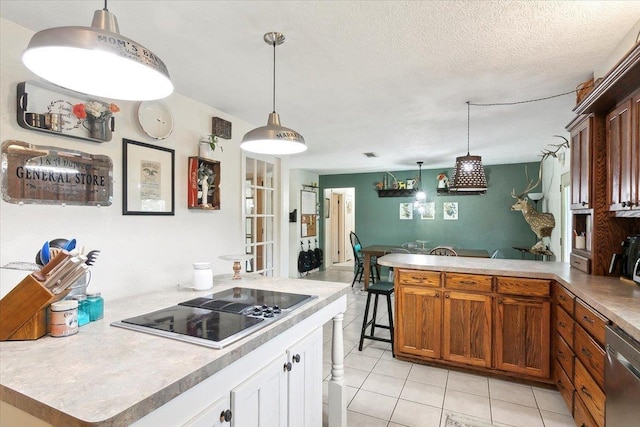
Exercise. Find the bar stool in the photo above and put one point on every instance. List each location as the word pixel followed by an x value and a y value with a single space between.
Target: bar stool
pixel 378 288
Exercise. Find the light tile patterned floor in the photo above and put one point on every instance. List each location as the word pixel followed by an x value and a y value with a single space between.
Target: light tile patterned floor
pixel 386 392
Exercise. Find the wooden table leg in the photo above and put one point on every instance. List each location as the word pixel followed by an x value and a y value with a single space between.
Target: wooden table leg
pixel 367 269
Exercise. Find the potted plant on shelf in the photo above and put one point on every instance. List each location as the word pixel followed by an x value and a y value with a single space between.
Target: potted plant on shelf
pixel 206 178
pixel 208 145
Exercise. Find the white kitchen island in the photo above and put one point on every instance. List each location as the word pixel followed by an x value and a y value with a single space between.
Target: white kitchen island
pixel 107 376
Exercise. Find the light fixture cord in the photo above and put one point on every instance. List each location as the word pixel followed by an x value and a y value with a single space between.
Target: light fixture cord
pixel 105 5
pixel 468 125
pixel 274 75
pixel 493 104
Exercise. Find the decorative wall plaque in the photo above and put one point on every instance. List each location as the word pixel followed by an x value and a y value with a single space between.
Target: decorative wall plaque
pixel 55 176
pixel 221 128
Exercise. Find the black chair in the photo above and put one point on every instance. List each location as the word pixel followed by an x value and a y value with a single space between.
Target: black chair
pixel 376 289
pixel 358 260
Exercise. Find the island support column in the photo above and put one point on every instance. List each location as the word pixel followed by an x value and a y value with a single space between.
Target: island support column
pixel 337 388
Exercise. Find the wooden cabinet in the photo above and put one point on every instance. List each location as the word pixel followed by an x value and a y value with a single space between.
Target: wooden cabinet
pixel 467 328
pixel 579 357
pixel 619 159
pixel 523 335
pixel 418 322
pixel 581 146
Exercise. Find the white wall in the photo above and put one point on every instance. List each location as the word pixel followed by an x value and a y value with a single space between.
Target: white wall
pixel 552 201
pixel 138 253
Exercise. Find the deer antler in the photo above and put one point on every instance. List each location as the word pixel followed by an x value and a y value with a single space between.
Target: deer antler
pixel 530 185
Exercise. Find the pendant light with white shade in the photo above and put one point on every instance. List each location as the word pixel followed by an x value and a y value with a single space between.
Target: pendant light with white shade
pixel 421 196
pixel 273 138
pixel 468 175
pixel 98 61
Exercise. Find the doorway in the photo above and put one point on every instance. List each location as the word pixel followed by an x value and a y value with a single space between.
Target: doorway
pixel 339 221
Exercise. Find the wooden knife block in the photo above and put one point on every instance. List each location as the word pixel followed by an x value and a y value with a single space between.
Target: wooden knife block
pixel 23 311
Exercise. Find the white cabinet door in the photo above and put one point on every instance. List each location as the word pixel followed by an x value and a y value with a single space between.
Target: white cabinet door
pixel 261 401
pixel 305 381
pixel 214 415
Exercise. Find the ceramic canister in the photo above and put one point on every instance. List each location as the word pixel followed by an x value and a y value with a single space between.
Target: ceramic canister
pixel 202 276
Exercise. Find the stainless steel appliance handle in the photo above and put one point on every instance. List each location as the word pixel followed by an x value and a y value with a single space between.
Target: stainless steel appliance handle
pixel 623 361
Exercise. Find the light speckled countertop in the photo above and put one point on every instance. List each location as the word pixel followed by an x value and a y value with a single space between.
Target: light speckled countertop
pixel 113 376
pixel 616 299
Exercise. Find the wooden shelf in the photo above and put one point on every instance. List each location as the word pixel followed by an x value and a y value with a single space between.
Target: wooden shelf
pixel 396 193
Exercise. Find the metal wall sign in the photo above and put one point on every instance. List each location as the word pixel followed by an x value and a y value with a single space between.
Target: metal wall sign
pixel 55 176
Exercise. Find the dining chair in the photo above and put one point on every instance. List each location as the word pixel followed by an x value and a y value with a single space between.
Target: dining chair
pixel 443 250
pixel 358 261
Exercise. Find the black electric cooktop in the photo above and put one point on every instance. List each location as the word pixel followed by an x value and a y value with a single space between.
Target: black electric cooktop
pixel 219 319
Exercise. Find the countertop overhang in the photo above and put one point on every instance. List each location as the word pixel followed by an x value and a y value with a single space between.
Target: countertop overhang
pixel 112 376
pixel 616 299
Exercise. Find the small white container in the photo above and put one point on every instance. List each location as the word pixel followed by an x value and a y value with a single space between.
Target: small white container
pixel 581 242
pixel 63 318
pixel 202 276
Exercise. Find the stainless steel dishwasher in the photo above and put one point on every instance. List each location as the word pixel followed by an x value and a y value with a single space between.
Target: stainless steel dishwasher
pixel 622 379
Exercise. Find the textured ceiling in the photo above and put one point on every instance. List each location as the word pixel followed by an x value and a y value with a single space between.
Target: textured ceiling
pixel 372 76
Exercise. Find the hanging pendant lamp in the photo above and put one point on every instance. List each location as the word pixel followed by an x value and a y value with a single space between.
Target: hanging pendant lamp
pixel 421 196
pixel 98 61
pixel 273 138
pixel 468 175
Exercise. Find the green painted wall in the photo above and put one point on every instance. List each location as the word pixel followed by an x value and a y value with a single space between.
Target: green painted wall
pixel 484 221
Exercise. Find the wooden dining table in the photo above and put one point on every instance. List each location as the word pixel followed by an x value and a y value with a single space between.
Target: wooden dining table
pixel 380 250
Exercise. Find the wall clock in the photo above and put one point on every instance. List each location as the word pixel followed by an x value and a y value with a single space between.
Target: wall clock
pixel 155 119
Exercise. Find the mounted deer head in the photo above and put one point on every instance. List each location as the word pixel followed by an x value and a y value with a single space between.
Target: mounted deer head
pixel 541 223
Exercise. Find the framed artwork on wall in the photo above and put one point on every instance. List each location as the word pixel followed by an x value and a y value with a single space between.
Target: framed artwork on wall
pixel 406 210
pixel 148 176
pixel 450 210
pixel 429 211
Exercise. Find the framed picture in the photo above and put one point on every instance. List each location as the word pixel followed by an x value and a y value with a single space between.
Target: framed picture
pixel 450 210
pixel 429 211
pixel 406 210
pixel 148 175
pixel 411 183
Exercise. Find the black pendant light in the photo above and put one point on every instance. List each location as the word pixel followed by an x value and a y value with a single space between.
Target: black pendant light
pixel 468 175
pixel 421 196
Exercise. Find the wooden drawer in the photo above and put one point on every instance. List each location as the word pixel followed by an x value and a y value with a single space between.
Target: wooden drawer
pixel 592 321
pixel 590 393
pixel 564 325
pixel 581 263
pixel 424 278
pixel 563 298
pixel 581 415
pixel 565 386
pixel 564 355
pixel 468 282
pixel 524 287
pixel 590 354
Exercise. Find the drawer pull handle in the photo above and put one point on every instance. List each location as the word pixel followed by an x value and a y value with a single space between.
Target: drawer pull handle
pixel 586 319
pixel 562 297
pixel 585 391
pixel 467 282
pixel 561 353
pixel 562 324
pixel 586 352
pixel 419 279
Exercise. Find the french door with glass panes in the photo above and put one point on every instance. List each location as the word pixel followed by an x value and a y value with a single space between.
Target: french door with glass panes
pixel 259 199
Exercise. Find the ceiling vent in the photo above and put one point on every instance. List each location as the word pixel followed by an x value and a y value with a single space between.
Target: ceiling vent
pixel 370 154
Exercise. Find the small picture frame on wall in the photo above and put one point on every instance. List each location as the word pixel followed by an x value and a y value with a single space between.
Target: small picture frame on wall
pixel 450 211
pixel 406 211
pixel 411 183
pixel 429 211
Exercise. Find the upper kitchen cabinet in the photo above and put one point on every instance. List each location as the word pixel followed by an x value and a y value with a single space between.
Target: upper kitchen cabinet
pixel 622 159
pixel 582 130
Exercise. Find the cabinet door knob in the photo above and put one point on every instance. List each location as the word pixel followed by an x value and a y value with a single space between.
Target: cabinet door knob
pixel 586 319
pixel 225 416
pixel 585 391
pixel 296 358
pixel 446 296
pixel 586 352
pixel 287 366
pixel 585 203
